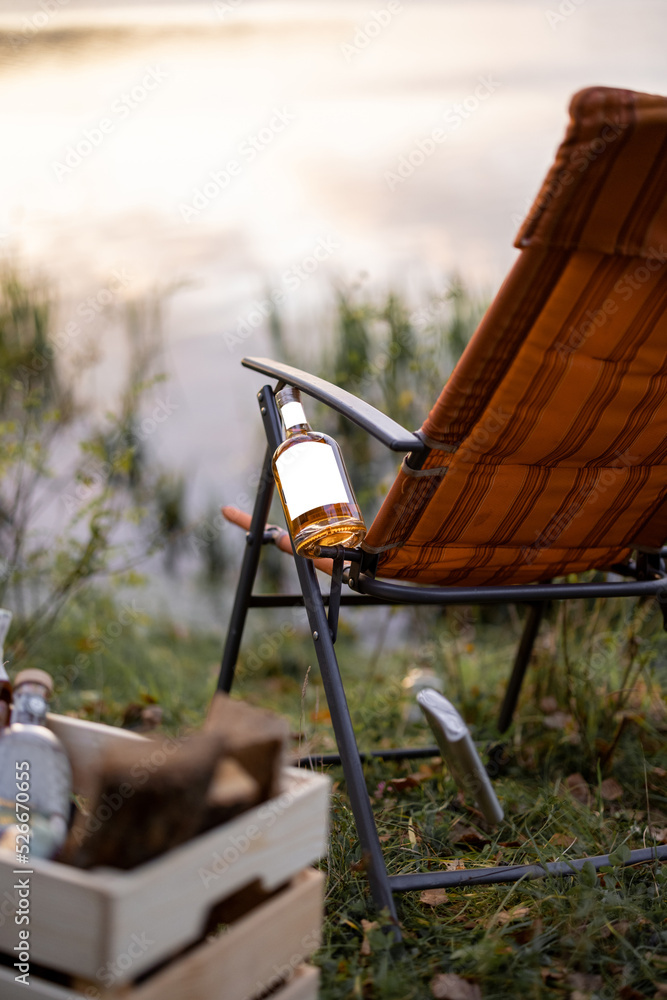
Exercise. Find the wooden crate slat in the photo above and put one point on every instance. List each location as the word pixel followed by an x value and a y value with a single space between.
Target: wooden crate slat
pixel 255 953
pixel 267 944
pixel 303 986
pixel 38 989
pixel 86 741
pixel 81 921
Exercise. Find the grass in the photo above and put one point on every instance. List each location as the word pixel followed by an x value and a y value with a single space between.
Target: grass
pixel 592 935
pixel 593 707
pixel 583 769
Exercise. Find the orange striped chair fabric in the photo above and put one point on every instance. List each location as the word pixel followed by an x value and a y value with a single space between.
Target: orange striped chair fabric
pixel 548 444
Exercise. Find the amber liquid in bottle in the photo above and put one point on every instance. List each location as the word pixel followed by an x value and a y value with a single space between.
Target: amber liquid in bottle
pixel 314 487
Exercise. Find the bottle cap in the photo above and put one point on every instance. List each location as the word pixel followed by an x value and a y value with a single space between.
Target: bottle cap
pixel 288 394
pixel 34 676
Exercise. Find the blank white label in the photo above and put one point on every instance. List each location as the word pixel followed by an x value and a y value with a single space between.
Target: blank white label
pixel 292 414
pixel 310 477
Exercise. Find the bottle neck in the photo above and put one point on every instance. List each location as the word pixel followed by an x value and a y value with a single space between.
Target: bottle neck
pixel 294 418
pixel 30 705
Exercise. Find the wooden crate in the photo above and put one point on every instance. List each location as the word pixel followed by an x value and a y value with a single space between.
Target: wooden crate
pixel 262 950
pixel 82 922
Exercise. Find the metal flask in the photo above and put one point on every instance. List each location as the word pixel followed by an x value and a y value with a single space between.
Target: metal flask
pixel 459 752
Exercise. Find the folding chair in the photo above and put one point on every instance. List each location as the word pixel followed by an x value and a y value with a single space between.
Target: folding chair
pixel 546 453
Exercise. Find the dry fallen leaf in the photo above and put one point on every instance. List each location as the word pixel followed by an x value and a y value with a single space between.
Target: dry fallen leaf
pixel 562 840
pixel 527 932
pixel 558 720
pixel 449 986
pixel 630 993
pixel 578 788
pixel 585 981
pixel 506 916
pixel 425 771
pixel 367 927
pixel 461 834
pixel 550 972
pixel 402 784
pixel 548 704
pixel 321 715
pixel 433 897
pixel 610 790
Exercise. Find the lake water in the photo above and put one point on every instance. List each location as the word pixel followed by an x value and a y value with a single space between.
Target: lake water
pixel 241 149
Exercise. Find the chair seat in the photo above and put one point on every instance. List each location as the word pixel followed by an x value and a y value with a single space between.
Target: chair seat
pixel 549 441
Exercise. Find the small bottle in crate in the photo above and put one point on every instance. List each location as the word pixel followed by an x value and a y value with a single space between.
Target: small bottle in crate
pixel 35 773
pixel 5 684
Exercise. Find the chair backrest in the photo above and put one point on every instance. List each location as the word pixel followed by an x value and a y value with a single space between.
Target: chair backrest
pixel 549 441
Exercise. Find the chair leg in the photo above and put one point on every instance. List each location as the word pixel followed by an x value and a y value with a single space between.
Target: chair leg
pixel 254 542
pixel 346 740
pixel 326 657
pixel 530 630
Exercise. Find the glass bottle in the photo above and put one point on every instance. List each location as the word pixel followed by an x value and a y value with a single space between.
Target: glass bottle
pixel 314 487
pixel 5 684
pixel 35 774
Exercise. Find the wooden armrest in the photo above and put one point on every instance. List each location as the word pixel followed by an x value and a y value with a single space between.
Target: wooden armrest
pixel 281 536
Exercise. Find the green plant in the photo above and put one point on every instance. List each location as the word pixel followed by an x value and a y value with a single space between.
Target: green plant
pixel 76 489
pixel 595 936
pixel 395 358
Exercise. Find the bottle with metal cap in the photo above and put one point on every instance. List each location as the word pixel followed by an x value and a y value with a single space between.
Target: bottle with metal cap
pixel 5 684
pixel 35 773
pixel 315 490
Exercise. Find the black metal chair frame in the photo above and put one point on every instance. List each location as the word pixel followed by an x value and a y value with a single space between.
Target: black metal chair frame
pixel 646 577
